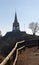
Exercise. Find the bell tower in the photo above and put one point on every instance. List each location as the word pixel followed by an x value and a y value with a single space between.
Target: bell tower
pixel 16 24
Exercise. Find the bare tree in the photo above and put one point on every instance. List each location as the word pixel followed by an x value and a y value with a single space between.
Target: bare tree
pixel 34 27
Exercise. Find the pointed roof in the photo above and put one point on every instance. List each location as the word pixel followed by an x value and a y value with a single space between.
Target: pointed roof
pixel 15 17
pixel 15 21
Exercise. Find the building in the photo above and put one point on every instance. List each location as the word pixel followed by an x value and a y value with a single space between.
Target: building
pixel 16 24
pixel 8 41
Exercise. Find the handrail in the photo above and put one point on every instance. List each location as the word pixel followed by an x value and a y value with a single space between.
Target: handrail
pixel 16 58
pixel 21 48
pixel 10 54
pixel 17 55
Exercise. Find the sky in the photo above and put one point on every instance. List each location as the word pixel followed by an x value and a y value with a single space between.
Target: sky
pixel 27 12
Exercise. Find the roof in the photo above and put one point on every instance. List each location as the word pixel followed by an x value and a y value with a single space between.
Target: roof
pixel 15 21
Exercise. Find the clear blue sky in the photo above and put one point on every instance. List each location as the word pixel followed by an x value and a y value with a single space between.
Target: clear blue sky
pixel 27 11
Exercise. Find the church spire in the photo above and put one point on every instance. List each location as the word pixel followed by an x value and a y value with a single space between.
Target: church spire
pixel 15 24
pixel 15 17
pixel 15 20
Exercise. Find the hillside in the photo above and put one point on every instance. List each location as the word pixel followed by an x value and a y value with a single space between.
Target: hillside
pixel 29 57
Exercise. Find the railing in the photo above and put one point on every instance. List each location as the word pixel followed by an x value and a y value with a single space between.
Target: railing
pixel 14 52
pixel 17 55
pixel 4 62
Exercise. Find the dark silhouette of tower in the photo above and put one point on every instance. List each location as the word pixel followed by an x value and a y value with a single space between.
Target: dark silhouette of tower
pixel 16 24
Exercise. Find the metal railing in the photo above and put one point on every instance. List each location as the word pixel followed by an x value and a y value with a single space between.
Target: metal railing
pixel 15 49
pixel 4 62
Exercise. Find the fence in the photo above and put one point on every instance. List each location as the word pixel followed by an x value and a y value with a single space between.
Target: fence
pixel 14 51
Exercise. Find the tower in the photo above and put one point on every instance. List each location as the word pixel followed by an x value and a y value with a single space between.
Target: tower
pixel 16 24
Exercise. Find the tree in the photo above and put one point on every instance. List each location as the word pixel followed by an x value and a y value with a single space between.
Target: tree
pixel 34 27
